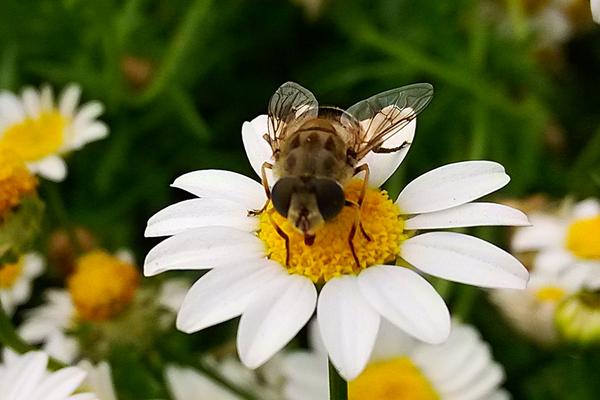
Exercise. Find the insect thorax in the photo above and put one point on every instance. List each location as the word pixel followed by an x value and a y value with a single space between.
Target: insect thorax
pixel 315 148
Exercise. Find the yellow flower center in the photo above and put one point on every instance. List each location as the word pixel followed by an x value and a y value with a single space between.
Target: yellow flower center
pixel 551 294
pixel 9 273
pixel 330 254
pixel 583 238
pixel 102 286
pixel 394 379
pixel 15 181
pixel 35 138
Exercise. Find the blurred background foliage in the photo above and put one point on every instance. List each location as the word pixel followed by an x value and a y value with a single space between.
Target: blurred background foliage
pixel 179 77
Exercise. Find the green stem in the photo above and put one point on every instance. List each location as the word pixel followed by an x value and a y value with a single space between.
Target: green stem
pixel 338 387
pixel 10 338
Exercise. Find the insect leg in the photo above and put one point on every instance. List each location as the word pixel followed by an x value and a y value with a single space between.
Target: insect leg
pixel 384 150
pixel 363 190
pixel 350 203
pixel 281 233
pixel 265 183
pixel 351 238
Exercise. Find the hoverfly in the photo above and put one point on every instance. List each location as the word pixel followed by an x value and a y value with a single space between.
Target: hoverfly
pixel 318 150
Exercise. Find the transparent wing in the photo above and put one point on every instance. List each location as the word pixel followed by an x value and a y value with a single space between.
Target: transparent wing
pixel 289 102
pixel 385 114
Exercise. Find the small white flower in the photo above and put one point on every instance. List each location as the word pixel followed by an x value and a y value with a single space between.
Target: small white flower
pixel 403 368
pixel 40 131
pixel 25 377
pixel 50 323
pixel 564 238
pixel 250 277
pixel 533 311
pixel 16 279
pixel 98 380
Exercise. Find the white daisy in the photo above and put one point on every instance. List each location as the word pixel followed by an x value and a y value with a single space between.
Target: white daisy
pixel 16 279
pixel 533 311
pixel 248 256
pixel 98 380
pixel 403 368
pixel 563 239
pixel 93 296
pixel 40 131
pixel 25 377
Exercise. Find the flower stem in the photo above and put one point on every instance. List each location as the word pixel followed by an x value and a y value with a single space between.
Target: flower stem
pixel 338 387
pixel 60 213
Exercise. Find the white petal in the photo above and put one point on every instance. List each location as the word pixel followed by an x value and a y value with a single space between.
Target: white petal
pixel 546 231
pixel 486 383
pixel 595 4
pixel 466 259
pixel 51 167
pixel 470 214
pixel 552 260
pixel 11 109
pixel 203 248
pixel 451 185
pixel 274 318
pixel 25 373
pixel 59 384
pixel 197 213
pixel 94 131
pixel 219 184
pixel 69 99
pixel 46 98
pixel 34 265
pixel 348 325
pixel 224 293
pixel 189 384
pixel 88 112
pixel 391 341
pixel 407 300
pixel 586 209
pixel 382 166
pixel 31 102
pixel 257 149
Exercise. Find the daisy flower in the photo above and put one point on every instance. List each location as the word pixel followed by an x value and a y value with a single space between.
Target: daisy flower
pixel 249 276
pixel 94 298
pixel 569 236
pixel 16 278
pixel 403 368
pixel 26 377
pixel 533 311
pixel 40 132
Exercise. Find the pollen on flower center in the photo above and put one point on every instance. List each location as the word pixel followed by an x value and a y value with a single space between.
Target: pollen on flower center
pixel 102 285
pixel 583 238
pixel 393 379
pixel 550 294
pixel 330 254
pixel 9 273
pixel 15 181
pixel 35 138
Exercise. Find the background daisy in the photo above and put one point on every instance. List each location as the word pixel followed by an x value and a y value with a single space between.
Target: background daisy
pixel 41 132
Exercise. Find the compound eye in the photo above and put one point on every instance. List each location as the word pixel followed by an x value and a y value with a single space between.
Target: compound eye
pixel 281 194
pixel 330 197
